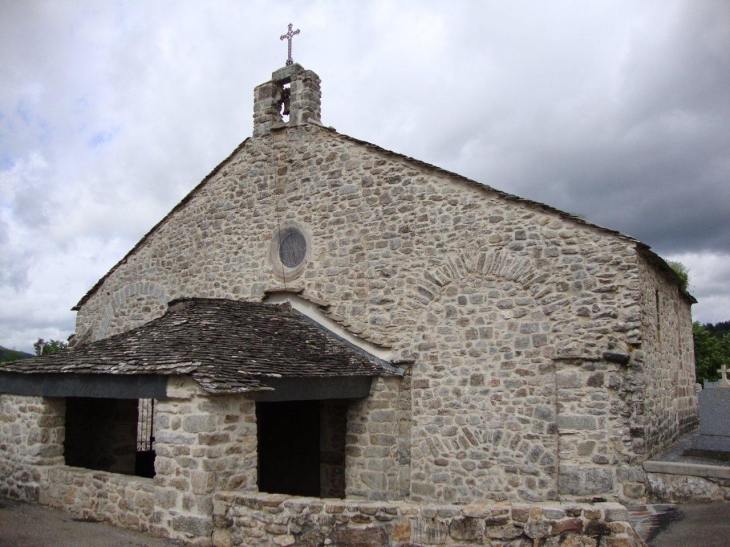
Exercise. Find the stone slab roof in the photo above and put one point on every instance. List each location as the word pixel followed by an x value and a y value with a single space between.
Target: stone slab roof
pixel 226 346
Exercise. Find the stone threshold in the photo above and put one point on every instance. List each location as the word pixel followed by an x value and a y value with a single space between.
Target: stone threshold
pixel 691 469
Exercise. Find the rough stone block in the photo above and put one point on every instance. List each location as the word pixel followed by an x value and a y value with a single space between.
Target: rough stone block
pixel 196 526
pixel 584 481
pixel 466 528
pixel 577 422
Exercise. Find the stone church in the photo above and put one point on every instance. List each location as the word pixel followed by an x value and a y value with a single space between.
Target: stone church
pixel 329 343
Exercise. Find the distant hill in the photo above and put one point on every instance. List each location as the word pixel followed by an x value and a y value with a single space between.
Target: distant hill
pixel 12 355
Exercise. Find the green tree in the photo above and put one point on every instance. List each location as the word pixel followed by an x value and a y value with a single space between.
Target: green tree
pixel 711 352
pixel 54 346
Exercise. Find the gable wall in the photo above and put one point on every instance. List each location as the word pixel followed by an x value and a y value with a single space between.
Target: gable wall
pixel 482 293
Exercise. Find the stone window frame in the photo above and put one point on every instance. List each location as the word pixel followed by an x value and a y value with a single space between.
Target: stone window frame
pixel 281 270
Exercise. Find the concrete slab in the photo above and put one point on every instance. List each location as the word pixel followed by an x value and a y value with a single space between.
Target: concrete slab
pixel 692 469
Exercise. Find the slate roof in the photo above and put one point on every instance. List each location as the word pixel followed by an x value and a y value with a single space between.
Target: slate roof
pixel 226 346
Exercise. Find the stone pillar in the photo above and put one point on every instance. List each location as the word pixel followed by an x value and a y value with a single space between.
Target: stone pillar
pixel 377 448
pixel 304 97
pixel 31 441
pixel 205 444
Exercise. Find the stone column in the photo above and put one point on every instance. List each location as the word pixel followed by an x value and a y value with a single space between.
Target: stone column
pixel 377 448
pixel 205 444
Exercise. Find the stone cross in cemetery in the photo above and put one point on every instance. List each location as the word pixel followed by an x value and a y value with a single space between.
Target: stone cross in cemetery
pixel 289 35
pixel 723 382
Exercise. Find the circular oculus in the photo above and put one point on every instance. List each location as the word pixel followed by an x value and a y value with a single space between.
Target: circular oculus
pixel 292 249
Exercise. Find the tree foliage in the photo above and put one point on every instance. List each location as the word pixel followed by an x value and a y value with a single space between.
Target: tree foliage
pixel 711 351
pixel 46 348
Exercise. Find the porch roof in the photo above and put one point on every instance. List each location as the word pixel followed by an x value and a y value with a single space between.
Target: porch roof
pixel 226 346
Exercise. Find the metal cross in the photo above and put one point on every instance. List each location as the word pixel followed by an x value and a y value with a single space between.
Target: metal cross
pixel 289 35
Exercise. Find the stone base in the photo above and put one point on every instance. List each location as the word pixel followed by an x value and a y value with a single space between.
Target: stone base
pixel 270 520
pixel 666 488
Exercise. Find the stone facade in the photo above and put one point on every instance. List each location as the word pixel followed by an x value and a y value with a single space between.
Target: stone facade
pixel 487 294
pixel 546 357
pixel 267 520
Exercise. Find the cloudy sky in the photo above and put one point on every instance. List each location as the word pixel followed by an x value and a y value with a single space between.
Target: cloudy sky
pixel 111 111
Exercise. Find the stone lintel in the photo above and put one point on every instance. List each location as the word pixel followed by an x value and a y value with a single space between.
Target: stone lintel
pixel 286 72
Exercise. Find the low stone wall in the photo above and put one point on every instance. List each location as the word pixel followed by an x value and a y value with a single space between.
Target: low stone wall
pixel 677 482
pixel 120 500
pixel 269 520
pixel 31 438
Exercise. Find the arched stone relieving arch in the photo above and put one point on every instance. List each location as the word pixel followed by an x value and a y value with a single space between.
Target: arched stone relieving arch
pixel 497 263
pixel 140 288
pixel 484 392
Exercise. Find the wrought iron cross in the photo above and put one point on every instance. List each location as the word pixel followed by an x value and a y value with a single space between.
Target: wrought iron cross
pixel 289 35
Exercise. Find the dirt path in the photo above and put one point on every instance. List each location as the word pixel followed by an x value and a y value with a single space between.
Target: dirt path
pixel 26 525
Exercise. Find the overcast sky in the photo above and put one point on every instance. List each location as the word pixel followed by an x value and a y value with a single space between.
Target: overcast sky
pixel 111 111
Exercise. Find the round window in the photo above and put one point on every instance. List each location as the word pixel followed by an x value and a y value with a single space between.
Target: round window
pixel 292 249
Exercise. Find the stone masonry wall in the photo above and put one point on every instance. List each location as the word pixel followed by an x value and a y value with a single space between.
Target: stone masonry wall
pixel 268 520
pixel 377 446
pixel 667 362
pixel 204 444
pixel 594 424
pixel 484 395
pixel 117 499
pixel 31 440
pixel 332 433
pixel 416 259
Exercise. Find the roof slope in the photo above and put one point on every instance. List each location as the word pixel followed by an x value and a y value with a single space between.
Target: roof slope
pixel 227 346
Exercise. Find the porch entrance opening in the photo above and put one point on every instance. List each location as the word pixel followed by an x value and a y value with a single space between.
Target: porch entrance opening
pixel 114 435
pixel 301 447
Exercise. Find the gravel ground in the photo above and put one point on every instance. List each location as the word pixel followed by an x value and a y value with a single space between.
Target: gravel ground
pixel 27 525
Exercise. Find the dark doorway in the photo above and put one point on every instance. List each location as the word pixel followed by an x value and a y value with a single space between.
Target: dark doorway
pixel 288 448
pixel 101 434
pixel 113 435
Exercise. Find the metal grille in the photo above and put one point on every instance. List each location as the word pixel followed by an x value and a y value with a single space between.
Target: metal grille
pixel 145 431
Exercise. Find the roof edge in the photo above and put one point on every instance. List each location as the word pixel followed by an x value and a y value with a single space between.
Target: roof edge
pixel 180 205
